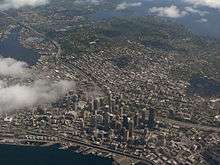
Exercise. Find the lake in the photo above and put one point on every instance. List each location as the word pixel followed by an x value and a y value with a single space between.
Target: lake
pixel 11 47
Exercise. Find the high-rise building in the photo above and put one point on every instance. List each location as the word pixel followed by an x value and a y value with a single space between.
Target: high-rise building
pixel 121 111
pixel 90 106
pixel 82 123
pixel 101 102
pixel 143 115
pixel 117 109
pixel 151 119
pixel 130 128
pixel 106 119
pixel 96 104
pixel 118 126
pixel 110 101
pixel 125 134
pixel 75 106
pixel 125 121
pixel 111 134
pixel 72 102
pixel 136 120
pixel 113 104
pixel 82 114
pixel 94 121
pixel 142 121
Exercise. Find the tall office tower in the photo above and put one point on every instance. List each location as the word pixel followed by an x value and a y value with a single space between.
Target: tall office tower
pixel 143 118
pixel 151 119
pixel 82 114
pixel 76 102
pixel 90 106
pixel 68 103
pixel 116 109
pixel 101 102
pixel 125 134
pixel 118 126
pixel 111 134
pixel 125 121
pixel 130 128
pixel 120 102
pixel 75 106
pixel 82 123
pixel 143 114
pixel 113 123
pixel 136 120
pixel 113 104
pixel 121 98
pixel 94 121
pixel 110 101
pixel 96 104
pixel 74 98
pixel 72 102
pixel 118 99
pixel 106 119
pixel 121 111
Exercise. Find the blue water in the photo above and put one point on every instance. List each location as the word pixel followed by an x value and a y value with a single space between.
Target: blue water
pixel 11 47
pixel 24 155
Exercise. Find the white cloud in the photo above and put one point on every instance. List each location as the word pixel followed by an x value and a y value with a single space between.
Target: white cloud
pixel 2 84
pixel 15 4
pixel 126 5
pixel 196 11
pixel 209 3
pixel 38 93
pixel 16 96
pixel 202 20
pixel 172 11
pixel 11 67
pixel 94 2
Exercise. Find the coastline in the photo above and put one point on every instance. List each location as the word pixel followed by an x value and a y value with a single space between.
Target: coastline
pixel 11 154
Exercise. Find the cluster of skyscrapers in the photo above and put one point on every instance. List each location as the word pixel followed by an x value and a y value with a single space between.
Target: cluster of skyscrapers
pixel 113 116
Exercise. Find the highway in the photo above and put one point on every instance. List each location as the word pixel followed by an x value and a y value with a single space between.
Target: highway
pixel 190 125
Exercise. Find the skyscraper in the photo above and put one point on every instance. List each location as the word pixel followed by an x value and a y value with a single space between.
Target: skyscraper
pixel 106 119
pixel 110 101
pixel 96 104
pixel 125 134
pixel 142 121
pixel 151 119
pixel 101 102
pixel 130 128
pixel 125 121
pixel 136 120
pixel 91 106
pixel 113 104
